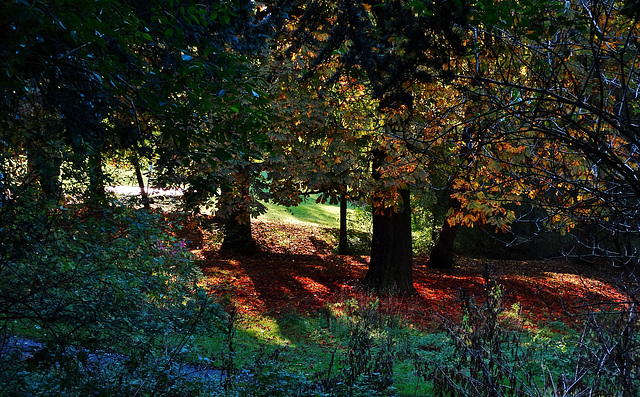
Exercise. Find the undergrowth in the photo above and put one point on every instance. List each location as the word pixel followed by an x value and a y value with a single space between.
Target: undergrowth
pixel 358 347
pixel 108 302
pixel 487 358
pixel 114 308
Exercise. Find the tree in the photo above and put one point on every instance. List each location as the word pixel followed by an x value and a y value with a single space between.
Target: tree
pixel 54 96
pixel 389 45
pixel 321 139
pixel 563 90
pixel 175 85
pixel 80 80
pixel 490 162
pixel 138 77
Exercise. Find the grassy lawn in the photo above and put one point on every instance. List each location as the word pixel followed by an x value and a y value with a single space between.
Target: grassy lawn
pixel 308 211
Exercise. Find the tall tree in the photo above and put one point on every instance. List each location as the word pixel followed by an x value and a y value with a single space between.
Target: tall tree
pixel 389 45
pixel 320 140
pixel 562 86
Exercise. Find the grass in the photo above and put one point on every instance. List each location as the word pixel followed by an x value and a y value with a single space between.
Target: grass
pixel 312 346
pixel 308 211
pixel 354 335
pixel 355 347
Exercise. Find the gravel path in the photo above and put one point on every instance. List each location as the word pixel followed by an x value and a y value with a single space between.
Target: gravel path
pixel 24 349
pixel 135 191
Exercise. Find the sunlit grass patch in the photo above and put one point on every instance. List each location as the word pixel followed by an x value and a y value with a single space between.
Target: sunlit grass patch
pixel 308 211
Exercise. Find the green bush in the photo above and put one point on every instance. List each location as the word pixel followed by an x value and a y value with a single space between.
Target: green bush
pixel 87 284
pixel 482 357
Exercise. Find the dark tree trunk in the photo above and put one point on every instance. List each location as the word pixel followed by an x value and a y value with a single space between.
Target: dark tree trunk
pixel 442 253
pixel 97 195
pixel 237 229
pixel 143 191
pixel 237 235
pixel 343 243
pixel 390 268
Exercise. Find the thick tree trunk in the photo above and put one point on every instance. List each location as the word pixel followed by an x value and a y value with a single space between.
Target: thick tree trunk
pixel 237 235
pixel 343 242
pixel 442 253
pixel 237 229
pixel 390 268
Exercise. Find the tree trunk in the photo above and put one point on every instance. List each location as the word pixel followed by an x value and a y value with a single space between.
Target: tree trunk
pixel 343 242
pixel 390 268
pixel 143 191
pixel 237 228
pixel 97 195
pixel 237 235
pixel 442 253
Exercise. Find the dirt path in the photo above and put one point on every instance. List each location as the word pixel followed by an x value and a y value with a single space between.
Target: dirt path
pixel 135 191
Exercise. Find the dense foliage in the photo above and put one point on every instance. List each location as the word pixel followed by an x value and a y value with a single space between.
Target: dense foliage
pixel 519 117
pixel 112 301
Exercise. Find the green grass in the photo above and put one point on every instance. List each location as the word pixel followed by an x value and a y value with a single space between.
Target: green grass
pixel 308 211
pixel 327 216
pixel 326 344
pixel 312 346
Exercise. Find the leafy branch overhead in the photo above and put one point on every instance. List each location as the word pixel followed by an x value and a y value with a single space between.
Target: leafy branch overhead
pixel 493 128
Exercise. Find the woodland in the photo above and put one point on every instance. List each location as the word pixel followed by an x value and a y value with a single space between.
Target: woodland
pixel 480 159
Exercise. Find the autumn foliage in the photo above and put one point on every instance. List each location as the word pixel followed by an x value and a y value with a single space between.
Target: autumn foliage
pixel 297 271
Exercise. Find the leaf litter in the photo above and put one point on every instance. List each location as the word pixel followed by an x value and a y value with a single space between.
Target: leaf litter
pixel 296 270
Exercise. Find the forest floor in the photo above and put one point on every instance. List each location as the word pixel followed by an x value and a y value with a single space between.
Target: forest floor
pixel 296 270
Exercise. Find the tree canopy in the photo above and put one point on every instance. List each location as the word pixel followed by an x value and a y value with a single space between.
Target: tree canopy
pixel 516 117
pixel 527 116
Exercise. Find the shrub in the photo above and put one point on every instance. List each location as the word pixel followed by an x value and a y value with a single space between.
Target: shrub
pixel 490 359
pixel 109 298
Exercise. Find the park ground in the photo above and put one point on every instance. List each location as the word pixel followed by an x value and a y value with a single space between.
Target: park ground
pixel 296 270
pixel 300 317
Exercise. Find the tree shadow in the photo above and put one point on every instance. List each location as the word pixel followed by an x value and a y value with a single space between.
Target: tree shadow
pixel 277 282
pixel 283 281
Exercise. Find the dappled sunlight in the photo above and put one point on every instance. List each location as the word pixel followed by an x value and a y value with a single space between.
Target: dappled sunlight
pixel 311 285
pixel 266 329
pixel 590 286
pixel 308 213
pixel 306 277
pixel 225 281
